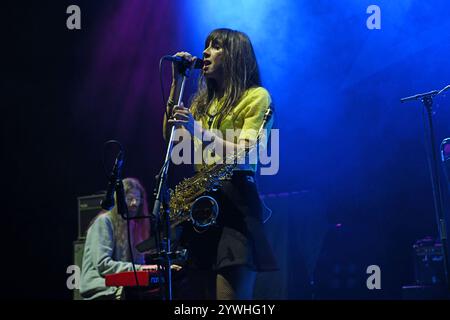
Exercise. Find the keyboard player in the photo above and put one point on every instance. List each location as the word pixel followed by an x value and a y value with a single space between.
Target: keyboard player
pixel 106 249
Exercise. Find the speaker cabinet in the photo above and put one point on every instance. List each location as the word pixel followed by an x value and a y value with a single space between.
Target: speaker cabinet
pixel 88 208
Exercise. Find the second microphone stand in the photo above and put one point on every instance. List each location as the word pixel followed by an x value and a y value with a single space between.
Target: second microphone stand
pixel 427 100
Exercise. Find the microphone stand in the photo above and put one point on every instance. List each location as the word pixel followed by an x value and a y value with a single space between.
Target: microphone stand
pixel 161 206
pixel 427 100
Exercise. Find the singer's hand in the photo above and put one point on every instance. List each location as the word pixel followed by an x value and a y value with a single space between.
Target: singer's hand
pixel 183 116
pixel 175 66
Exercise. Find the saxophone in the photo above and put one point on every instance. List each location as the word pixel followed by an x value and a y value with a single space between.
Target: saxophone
pixel 190 201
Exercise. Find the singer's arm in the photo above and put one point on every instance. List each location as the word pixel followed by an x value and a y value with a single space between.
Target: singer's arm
pixel 252 111
pixel 174 90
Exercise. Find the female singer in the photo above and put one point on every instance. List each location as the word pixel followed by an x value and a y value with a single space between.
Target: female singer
pixel 225 258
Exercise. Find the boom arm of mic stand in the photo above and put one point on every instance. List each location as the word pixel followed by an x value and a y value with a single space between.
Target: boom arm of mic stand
pixel 420 96
pixel 426 95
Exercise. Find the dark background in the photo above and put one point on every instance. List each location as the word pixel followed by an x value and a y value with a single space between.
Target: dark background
pixel 363 165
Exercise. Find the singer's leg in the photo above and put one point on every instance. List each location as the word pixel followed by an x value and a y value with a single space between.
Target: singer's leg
pixel 235 283
pixel 198 285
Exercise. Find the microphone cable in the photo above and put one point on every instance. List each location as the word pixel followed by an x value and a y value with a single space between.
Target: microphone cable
pixel 161 82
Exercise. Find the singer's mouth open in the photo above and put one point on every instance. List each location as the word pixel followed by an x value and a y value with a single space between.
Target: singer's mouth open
pixel 206 63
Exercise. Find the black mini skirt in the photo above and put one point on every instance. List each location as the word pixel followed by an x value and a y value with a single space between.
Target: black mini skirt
pixel 238 237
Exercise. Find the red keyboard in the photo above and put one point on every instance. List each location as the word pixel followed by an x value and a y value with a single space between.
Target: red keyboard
pixel 127 279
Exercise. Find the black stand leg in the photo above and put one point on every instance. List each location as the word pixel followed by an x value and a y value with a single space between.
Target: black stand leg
pixel 437 191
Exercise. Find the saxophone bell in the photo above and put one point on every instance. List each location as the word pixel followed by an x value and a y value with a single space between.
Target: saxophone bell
pixel 204 211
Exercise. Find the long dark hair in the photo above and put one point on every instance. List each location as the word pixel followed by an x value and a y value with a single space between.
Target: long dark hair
pixel 240 70
pixel 140 229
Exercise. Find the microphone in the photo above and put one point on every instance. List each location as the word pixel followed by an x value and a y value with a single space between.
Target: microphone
pixel 198 63
pixel 108 202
